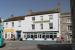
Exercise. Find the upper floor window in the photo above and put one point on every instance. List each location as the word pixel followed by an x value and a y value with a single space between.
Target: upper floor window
pixel 6 23
pixel 19 24
pixel 41 17
pixel 33 26
pixel 50 25
pixel 50 17
pixel 12 24
pixel 69 28
pixel 69 20
pixel 33 18
pixel 41 26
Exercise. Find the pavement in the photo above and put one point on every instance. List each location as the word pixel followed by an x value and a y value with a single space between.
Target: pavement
pixel 34 45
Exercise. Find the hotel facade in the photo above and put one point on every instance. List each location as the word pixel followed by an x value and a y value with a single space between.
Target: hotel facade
pixel 44 25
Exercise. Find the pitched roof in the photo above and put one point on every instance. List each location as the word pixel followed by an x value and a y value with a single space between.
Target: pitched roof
pixel 43 12
pixel 66 13
pixel 15 18
pixel 33 13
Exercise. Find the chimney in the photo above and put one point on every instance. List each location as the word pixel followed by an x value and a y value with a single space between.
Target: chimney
pixel 30 12
pixel 11 16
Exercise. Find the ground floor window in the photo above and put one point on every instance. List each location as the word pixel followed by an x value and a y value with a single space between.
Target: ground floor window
pixel 49 35
pixel 28 35
pixel 5 35
pixel 35 36
pixel 32 36
pixel 39 35
pixel 55 36
pixel 12 35
pixel 43 36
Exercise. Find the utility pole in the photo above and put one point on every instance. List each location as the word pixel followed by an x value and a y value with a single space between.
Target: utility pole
pixel 72 2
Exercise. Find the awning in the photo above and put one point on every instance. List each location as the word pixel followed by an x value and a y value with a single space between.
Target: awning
pixel 9 30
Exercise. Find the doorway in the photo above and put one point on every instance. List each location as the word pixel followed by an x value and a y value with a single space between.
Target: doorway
pixel 18 34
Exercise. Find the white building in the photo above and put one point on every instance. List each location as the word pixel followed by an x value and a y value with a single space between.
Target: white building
pixel 12 27
pixel 36 26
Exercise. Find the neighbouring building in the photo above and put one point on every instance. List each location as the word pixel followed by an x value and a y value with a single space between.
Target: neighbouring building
pixel 66 26
pixel 44 25
pixel 12 27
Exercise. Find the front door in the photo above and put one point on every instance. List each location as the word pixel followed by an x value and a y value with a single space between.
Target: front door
pixel 18 34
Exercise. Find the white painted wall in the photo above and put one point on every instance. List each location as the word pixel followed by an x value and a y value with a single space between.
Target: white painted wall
pixel 16 27
pixel 27 23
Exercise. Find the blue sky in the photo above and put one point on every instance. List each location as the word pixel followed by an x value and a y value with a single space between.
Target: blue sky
pixel 21 7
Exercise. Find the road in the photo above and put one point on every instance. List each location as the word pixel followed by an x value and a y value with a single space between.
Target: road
pixel 32 45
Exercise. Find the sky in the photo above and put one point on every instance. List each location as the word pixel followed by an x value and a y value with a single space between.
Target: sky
pixel 21 7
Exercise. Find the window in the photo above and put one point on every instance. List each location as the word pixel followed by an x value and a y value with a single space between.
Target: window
pixel 19 23
pixel 43 36
pixel 41 26
pixel 32 36
pixel 12 35
pixel 33 18
pixel 55 33
pixel 41 18
pixel 12 24
pixel 50 17
pixel 33 26
pixel 69 20
pixel 40 36
pixel 6 23
pixel 69 28
pixel 5 35
pixel 47 36
pixel 55 36
pixel 51 36
pixel 50 25
pixel 35 36
pixel 28 35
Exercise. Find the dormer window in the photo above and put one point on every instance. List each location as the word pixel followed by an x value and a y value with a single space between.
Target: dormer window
pixel 19 24
pixel 6 23
pixel 12 24
pixel 41 18
pixel 50 17
pixel 33 18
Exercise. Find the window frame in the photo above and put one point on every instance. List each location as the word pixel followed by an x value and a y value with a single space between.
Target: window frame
pixel 19 23
pixel 50 26
pixel 33 18
pixel 50 17
pixel 33 26
pixel 12 24
pixel 41 25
